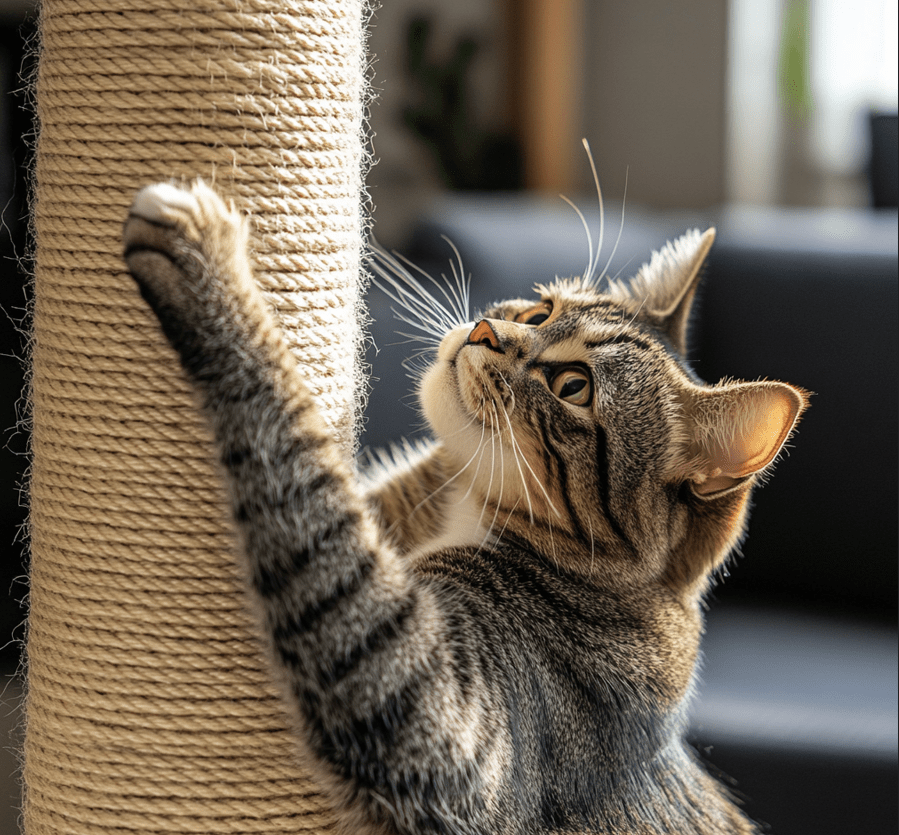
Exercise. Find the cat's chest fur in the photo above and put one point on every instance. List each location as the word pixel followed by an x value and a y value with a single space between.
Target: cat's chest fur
pixel 465 522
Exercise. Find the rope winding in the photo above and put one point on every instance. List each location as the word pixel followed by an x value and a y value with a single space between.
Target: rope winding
pixel 149 707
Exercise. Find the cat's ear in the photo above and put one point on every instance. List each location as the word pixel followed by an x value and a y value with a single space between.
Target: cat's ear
pixel 737 430
pixel 666 286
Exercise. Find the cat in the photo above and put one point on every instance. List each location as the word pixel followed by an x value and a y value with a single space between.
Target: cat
pixel 499 633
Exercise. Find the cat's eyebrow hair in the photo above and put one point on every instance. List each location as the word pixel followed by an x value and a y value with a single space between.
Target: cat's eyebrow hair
pixel 647 345
pixel 620 338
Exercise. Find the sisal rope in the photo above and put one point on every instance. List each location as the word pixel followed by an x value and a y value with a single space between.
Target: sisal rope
pixel 149 707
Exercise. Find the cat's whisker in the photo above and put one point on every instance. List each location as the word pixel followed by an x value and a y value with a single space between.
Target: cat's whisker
pixel 399 263
pixel 605 269
pixel 460 306
pixel 622 269
pixel 428 310
pixel 636 313
pixel 431 341
pixel 623 326
pixel 452 478
pixel 454 301
pixel 515 453
pixel 480 451
pixel 415 373
pixel 462 283
pixel 459 288
pixel 424 320
pixel 474 477
pixel 502 477
pixel 502 467
pixel 580 214
pixel 413 337
pixel 449 481
pixel 434 337
pixel 537 481
pixel 506 523
pixel 516 447
pixel 411 293
pixel 492 474
pixel 602 214
pixel 471 421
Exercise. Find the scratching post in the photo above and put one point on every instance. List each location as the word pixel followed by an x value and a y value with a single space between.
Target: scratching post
pixel 149 707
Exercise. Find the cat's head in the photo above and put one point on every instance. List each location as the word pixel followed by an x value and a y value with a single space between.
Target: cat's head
pixel 579 425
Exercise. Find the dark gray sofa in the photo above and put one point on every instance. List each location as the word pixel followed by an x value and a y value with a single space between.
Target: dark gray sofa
pixel 798 701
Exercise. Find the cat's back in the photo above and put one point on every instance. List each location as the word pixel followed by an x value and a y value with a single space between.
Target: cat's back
pixel 549 613
pixel 590 686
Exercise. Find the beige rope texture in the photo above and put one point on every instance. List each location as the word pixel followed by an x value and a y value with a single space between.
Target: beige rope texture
pixel 149 707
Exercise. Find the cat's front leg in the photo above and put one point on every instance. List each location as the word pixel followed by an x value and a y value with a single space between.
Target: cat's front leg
pixel 366 650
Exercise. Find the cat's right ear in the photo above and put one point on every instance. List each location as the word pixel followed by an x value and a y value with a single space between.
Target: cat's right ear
pixel 666 287
pixel 737 430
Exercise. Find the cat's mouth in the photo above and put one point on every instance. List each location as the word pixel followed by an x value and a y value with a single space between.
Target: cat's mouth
pixel 467 389
pixel 452 344
pixel 484 389
pixel 453 392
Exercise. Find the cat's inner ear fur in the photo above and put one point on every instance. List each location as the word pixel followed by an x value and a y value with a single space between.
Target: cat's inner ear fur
pixel 736 430
pixel 666 286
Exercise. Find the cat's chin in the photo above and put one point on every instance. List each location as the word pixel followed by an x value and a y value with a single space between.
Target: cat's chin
pixel 441 397
pixel 441 402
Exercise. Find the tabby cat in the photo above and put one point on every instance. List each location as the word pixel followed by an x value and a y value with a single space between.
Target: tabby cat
pixel 500 634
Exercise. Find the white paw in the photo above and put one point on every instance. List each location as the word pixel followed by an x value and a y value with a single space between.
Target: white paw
pixel 163 202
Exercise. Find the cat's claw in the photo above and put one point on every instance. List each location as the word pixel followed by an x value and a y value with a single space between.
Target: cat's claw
pixel 162 202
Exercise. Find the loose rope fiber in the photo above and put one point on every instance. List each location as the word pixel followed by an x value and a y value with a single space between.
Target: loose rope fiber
pixel 149 707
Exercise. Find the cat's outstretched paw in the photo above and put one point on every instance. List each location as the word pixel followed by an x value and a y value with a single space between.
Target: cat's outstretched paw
pixel 177 238
pixel 162 202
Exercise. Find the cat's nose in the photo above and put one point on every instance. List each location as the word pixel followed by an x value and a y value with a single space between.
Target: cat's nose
pixel 484 334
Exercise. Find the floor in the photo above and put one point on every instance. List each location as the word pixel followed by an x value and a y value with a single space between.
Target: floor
pixel 10 740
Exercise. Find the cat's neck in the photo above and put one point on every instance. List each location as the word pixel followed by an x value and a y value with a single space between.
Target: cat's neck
pixel 424 503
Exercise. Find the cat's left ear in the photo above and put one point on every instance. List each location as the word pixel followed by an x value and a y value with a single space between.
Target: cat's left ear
pixel 666 286
pixel 736 430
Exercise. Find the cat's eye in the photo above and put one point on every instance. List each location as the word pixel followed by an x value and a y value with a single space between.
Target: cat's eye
pixel 536 315
pixel 572 385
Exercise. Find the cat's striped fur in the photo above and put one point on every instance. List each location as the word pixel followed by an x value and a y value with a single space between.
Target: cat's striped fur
pixel 499 636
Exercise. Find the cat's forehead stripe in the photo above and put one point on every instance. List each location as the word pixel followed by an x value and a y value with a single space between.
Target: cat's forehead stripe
pixel 593 310
pixel 567 349
pixel 621 338
pixel 566 344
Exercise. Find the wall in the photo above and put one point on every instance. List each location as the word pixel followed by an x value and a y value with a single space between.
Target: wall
pixel 655 99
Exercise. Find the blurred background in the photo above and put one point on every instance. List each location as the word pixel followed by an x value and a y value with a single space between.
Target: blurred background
pixel 773 120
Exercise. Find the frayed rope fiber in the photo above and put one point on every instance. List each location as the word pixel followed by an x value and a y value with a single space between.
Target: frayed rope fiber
pixel 149 706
